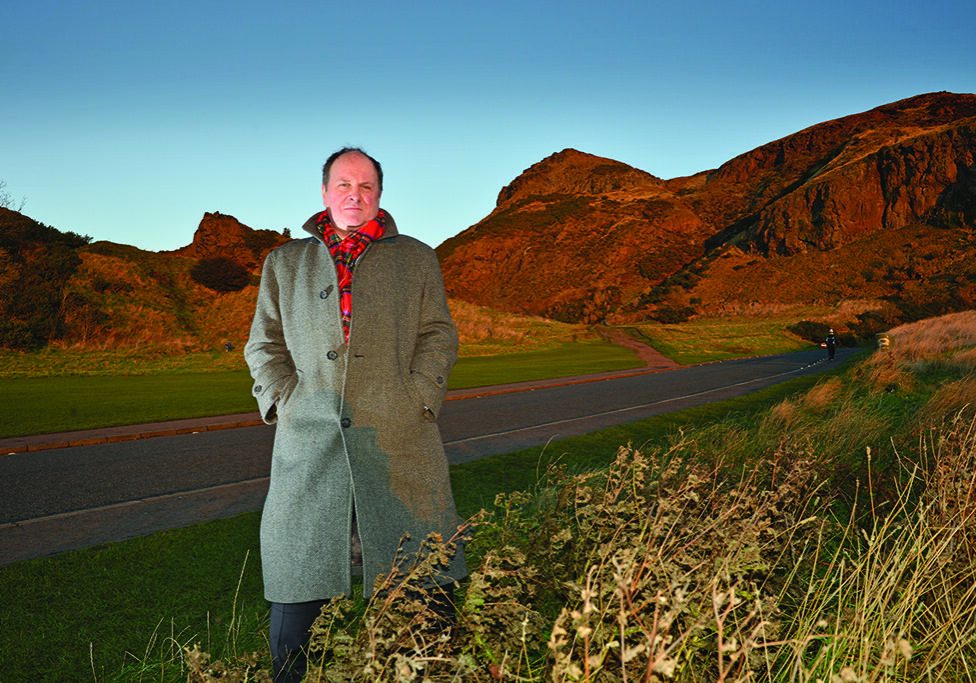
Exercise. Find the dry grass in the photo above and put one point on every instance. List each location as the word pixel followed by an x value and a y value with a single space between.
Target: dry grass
pixel 486 332
pixel 824 394
pixel 949 396
pixel 952 336
pixel 947 342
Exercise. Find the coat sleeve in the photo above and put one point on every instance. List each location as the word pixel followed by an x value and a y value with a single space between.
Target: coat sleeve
pixel 266 353
pixel 437 341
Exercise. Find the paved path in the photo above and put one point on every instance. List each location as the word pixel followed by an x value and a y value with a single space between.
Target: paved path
pixel 651 356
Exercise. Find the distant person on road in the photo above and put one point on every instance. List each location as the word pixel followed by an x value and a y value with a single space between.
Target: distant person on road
pixel 831 342
pixel 350 349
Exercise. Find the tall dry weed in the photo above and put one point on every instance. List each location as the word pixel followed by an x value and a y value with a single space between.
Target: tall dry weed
pixel 688 591
pixel 782 415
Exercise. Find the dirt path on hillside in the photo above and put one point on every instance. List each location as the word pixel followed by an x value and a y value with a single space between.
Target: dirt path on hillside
pixel 651 356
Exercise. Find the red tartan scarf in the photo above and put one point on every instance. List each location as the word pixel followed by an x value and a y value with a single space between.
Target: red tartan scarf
pixel 346 253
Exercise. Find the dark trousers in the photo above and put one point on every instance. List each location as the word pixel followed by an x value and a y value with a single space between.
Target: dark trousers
pixel 291 624
pixel 289 633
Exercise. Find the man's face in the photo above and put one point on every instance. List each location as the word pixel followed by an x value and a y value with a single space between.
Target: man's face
pixel 352 194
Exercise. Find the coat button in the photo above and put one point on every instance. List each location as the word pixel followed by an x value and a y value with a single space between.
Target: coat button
pixel 324 294
pixel 440 380
pixel 258 388
pixel 332 355
pixel 345 422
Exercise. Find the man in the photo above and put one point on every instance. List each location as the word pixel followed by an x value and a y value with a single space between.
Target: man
pixel 350 349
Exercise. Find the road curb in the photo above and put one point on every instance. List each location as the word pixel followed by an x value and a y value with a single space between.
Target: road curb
pixel 33 444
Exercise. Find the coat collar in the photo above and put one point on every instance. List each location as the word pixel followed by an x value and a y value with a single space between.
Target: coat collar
pixel 390 231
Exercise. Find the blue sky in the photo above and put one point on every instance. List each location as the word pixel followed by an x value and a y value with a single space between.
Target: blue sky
pixel 126 121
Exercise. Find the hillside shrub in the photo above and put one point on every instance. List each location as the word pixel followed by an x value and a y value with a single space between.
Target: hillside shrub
pixel 671 315
pixel 32 296
pixel 259 241
pixel 221 274
pixel 810 330
pixel 38 262
pixel 15 334
pixel 19 232
pixel 84 318
pixel 870 323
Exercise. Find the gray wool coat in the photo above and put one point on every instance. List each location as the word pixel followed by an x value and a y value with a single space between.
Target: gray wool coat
pixel 355 424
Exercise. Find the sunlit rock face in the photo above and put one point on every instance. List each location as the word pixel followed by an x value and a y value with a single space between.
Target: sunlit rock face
pixel 223 235
pixel 579 237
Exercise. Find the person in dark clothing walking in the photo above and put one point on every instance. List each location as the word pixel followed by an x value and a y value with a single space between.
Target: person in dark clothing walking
pixel 831 342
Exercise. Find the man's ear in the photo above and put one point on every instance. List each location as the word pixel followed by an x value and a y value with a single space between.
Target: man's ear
pixel 323 193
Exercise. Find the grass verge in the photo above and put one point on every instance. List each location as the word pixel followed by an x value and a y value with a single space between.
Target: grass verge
pixel 46 405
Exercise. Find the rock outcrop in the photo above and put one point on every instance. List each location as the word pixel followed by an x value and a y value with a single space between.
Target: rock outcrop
pixel 908 162
pixel 223 235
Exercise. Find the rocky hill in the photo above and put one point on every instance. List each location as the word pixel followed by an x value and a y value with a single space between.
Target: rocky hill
pixel 873 214
pixel 57 286
pixel 879 205
pixel 220 234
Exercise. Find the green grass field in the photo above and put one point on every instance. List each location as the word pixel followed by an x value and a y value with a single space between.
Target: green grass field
pixel 57 403
pixel 707 339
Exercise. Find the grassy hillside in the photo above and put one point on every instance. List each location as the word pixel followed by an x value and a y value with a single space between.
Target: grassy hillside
pixel 146 305
pixel 821 530
pixel 129 298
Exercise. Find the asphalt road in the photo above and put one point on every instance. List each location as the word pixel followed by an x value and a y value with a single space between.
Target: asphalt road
pixel 67 498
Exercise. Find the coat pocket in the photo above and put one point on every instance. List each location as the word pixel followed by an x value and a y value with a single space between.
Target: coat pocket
pixel 419 387
pixel 289 387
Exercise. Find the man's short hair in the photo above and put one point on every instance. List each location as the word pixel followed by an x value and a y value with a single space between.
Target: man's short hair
pixel 327 168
